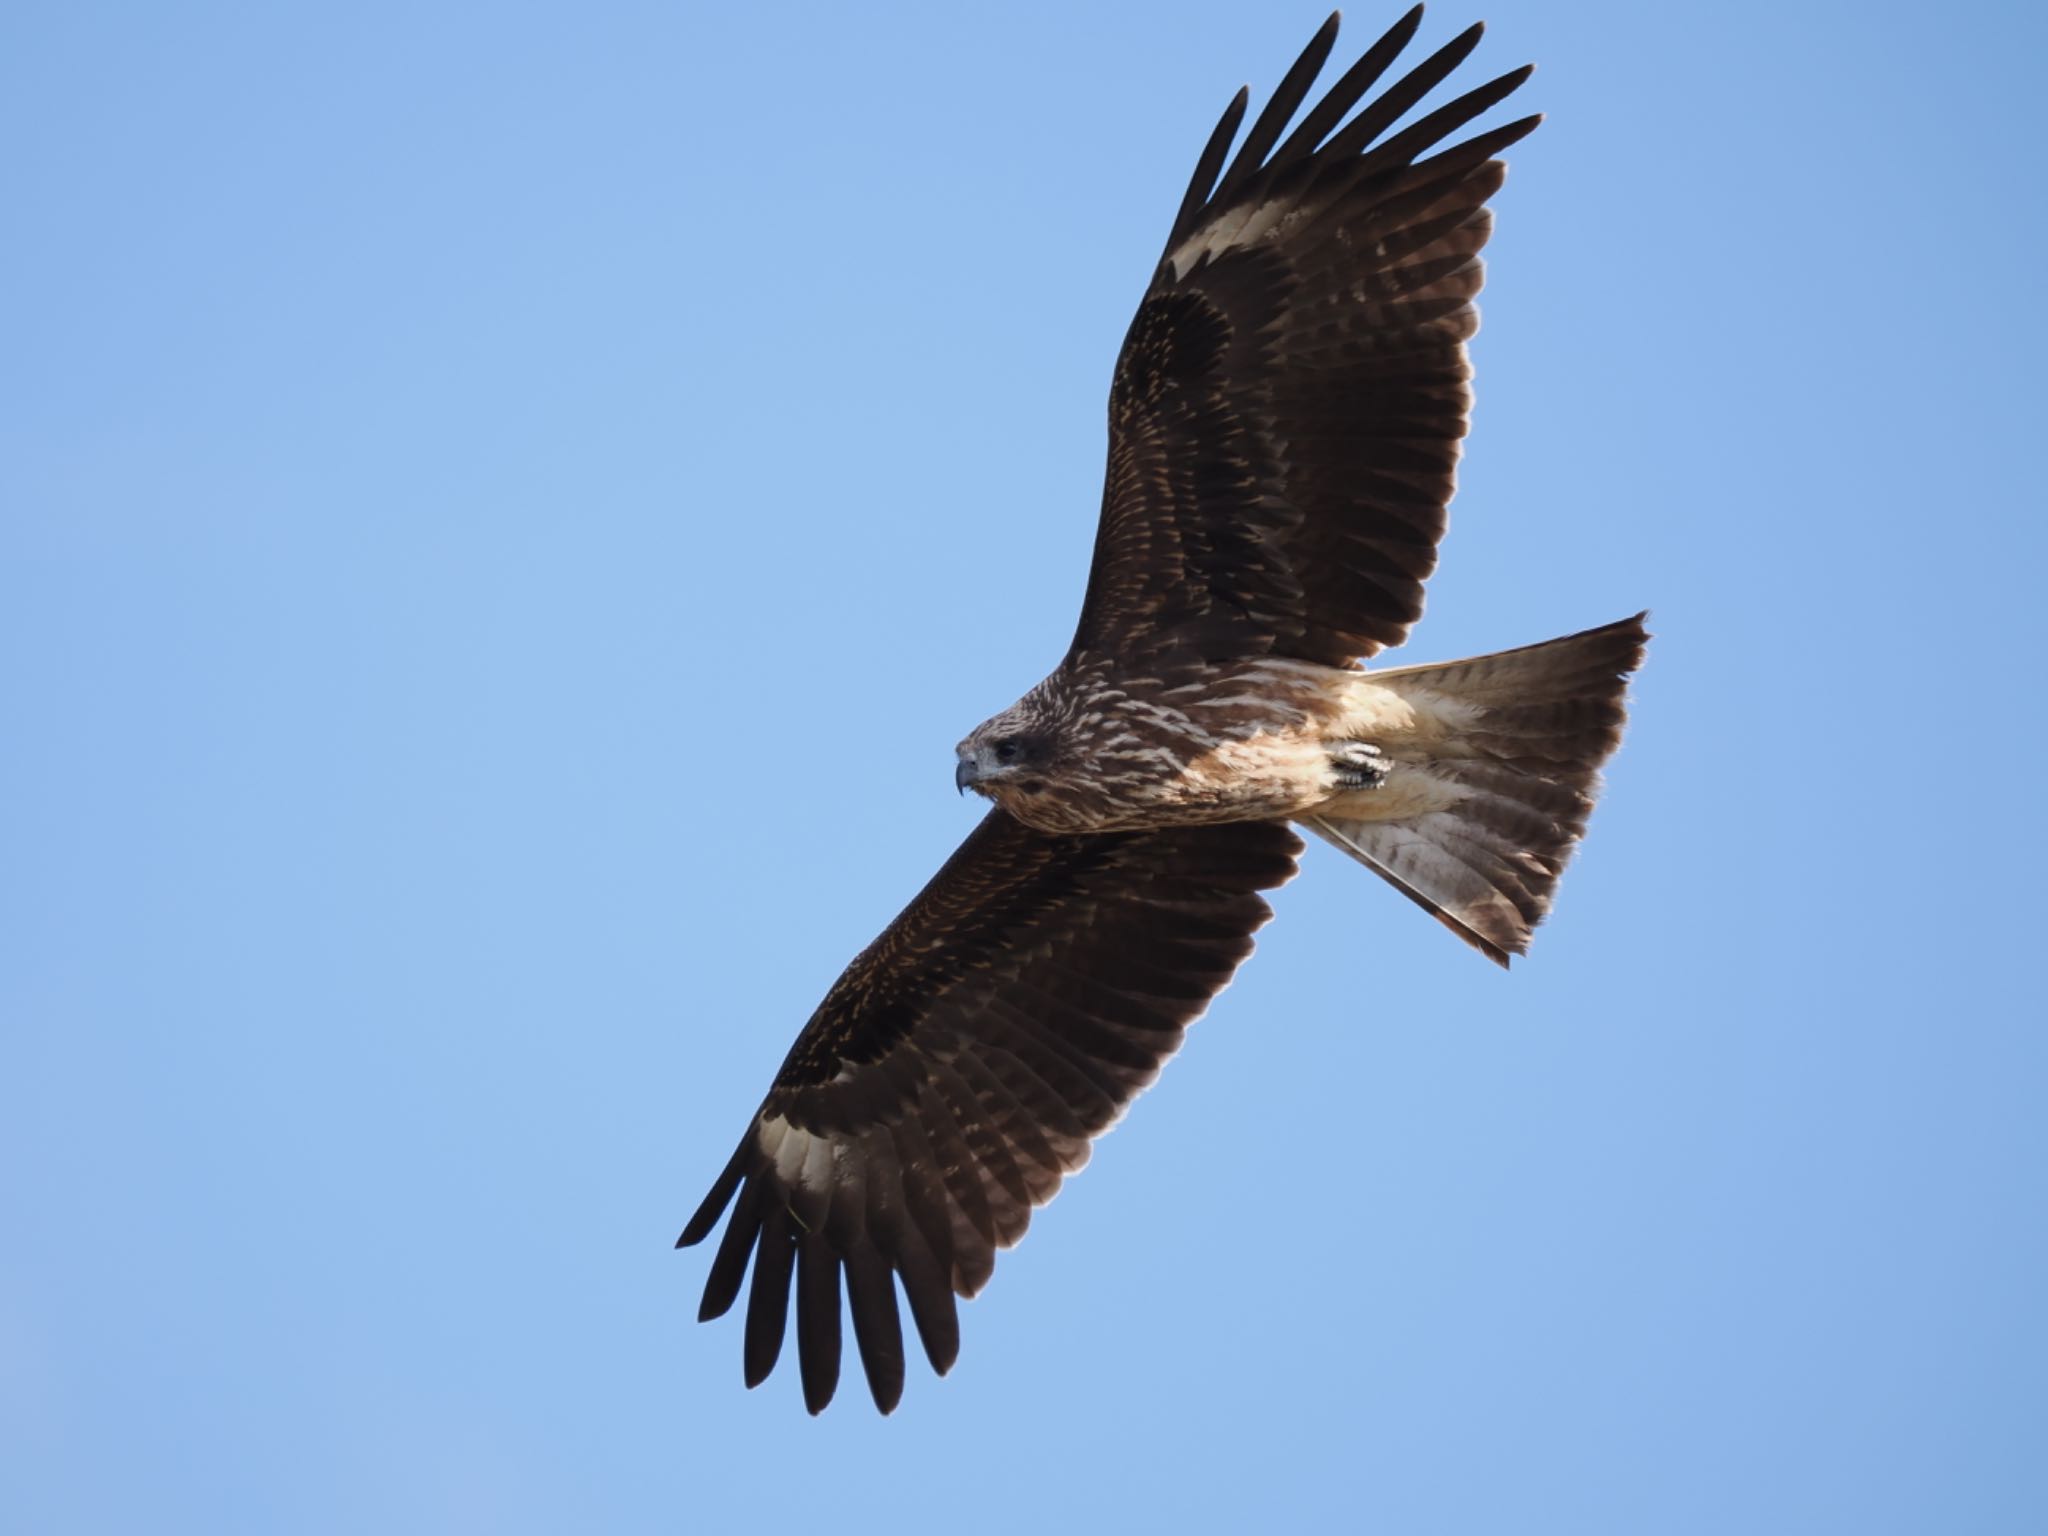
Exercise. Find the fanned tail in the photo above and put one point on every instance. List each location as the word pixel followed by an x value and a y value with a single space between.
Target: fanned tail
pixel 1493 776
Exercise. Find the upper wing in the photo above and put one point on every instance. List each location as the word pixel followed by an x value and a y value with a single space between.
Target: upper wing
pixel 956 1072
pixel 1286 412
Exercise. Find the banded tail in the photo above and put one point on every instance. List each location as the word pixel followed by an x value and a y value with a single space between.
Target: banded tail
pixel 1495 763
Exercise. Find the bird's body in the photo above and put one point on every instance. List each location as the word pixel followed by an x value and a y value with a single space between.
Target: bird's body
pixel 1285 420
pixel 1103 751
pixel 1267 739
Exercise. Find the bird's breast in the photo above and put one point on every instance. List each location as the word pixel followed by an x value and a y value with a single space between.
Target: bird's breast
pixel 1240 744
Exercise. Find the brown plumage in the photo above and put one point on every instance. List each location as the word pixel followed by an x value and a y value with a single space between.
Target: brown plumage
pixel 1285 422
pixel 958 1070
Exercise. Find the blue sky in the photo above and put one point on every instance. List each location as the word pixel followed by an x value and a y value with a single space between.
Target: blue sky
pixel 503 514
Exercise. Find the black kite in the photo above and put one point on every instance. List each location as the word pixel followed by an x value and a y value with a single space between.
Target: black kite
pixel 1284 426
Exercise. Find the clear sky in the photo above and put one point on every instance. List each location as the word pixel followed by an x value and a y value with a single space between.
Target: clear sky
pixel 504 512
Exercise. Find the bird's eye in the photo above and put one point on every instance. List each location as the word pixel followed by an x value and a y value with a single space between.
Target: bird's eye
pixel 1006 750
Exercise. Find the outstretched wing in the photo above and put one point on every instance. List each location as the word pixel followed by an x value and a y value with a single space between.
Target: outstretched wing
pixel 1287 409
pixel 958 1070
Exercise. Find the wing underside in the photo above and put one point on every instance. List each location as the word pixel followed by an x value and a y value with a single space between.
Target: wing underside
pixel 1287 410
pixel 959 1071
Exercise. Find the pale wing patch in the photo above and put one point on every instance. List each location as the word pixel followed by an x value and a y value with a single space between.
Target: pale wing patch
pixel 785 1146
pixel 1234 231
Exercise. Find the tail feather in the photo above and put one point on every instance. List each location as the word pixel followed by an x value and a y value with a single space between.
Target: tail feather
pixel 1500 781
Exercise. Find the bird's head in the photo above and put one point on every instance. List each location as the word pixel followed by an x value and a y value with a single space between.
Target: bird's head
pixel 1006 758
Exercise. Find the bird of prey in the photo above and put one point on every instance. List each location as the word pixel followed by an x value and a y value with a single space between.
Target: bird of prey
pixel 1284 427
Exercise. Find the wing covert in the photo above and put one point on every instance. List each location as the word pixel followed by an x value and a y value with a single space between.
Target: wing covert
pixel 1287 409
pixel 958 1071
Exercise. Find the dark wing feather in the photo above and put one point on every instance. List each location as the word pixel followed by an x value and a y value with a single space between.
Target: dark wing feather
pixel 1287 409
pixel 958 1071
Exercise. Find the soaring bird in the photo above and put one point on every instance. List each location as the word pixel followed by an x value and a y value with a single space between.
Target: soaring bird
pixel 1284 428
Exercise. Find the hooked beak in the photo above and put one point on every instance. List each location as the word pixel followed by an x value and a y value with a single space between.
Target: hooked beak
pixel 965 774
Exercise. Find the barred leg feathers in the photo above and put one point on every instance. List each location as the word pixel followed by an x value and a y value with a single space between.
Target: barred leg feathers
pixel 1496 767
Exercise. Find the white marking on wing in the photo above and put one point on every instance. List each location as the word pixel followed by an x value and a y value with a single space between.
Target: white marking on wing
pixel 820 1153
pixel 1229 232
pixel 783 1145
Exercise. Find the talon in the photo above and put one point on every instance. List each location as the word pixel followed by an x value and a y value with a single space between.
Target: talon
pixel 1360 765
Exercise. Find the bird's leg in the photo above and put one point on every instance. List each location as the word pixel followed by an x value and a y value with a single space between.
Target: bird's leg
pixel 1359 765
